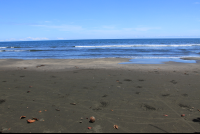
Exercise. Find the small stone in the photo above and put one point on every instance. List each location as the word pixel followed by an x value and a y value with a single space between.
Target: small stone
pixel 182 115
pixel 92 119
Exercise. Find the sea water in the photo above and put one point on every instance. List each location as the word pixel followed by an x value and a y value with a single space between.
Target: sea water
pixel 141 51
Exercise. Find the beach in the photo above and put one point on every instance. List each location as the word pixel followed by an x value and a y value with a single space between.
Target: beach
pixel 62 94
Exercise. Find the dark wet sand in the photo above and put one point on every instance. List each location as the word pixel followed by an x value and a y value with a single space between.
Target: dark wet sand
pixel 134 97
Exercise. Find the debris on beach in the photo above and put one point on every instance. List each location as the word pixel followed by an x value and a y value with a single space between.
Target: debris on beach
pixel 198 110
pixel 92 119
pixel 73 103
pixel 115 126
pixel 30 86
pixel 182 115
pixel 105 95
pixel 89 127
pixel 30 121
pixel 165 115
pixel 2 101
pixel 22 117
pixel 35 119
pixel 117 80
pixel 112 110
pixel 40 111
pixel 57 109
pixel 28 91
pixel 41 119
pixel 40 66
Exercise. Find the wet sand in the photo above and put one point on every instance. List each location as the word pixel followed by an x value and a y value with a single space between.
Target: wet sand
pixel 63 94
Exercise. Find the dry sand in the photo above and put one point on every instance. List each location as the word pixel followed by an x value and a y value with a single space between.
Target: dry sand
pixel 136 97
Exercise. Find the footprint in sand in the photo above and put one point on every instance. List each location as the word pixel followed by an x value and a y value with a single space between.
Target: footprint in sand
pixel 148 107
pixel 173 81
pixel 97 129
pixel 165 95
pixel 184 106
pixel 2 101
pixel 140 80
pixel 127 80
pixel 185 95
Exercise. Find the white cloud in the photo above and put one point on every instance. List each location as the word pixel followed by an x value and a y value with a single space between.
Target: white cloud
pixel 32 38
pixel 105 31
pixel 11 39
pixel 61 38
pixel 62 27
pixel 108 33
pixel 108 27
pixel 128 29
pixel 146 28
pixel 26 39
pixel 47 21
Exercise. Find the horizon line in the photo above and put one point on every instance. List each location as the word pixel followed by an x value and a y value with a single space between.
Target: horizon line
pixel 108 39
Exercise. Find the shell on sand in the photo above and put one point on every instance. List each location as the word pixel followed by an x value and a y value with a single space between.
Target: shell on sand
pixel 30 121
pixel 115 126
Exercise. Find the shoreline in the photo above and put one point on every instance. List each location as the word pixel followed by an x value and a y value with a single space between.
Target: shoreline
pixel 101 63
pixel 64 93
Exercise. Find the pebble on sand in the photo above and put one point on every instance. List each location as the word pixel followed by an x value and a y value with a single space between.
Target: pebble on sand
pixel 92 119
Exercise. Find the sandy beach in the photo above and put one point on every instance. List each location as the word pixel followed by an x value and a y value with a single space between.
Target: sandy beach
pixel 64 93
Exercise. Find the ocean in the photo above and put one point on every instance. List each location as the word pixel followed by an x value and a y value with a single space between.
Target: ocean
pixel 140 50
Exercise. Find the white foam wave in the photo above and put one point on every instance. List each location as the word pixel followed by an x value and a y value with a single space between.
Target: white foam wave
pixel 13 50
pixel 145 45
pixel 3 47
pixel 159 57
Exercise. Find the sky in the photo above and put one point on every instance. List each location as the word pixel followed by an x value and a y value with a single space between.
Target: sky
pixel 27 20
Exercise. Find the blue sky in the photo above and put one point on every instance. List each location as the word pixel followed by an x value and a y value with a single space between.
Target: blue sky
pixel 98 19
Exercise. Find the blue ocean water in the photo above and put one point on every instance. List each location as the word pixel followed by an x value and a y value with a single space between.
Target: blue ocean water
pixel 102 48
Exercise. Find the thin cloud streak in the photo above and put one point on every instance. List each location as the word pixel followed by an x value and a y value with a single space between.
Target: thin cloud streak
pixel 32 38
pixel 16 23
pixel 147 28
pixel 105 31
pixel 62 27
pixel 106 28
pixel 197 3
pixel 26 39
